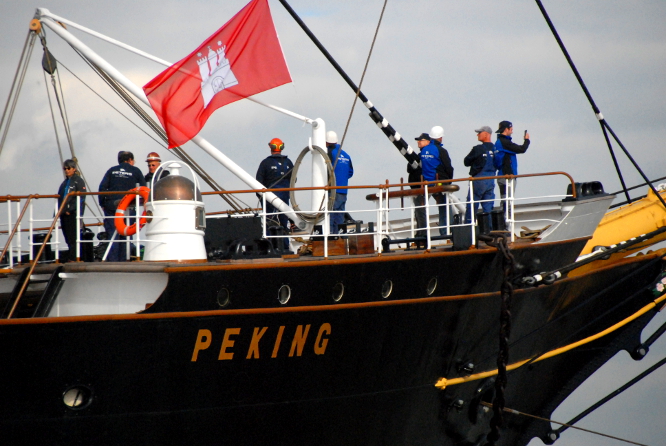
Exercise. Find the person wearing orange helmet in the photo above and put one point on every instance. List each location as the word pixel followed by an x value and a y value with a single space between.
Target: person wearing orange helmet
pixel 154 161
pixel 275 173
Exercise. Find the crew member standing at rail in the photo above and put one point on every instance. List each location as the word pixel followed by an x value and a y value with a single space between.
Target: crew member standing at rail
pixel 416 176
pixel 436 165
pixel 344 170
pixel 481 162
pixel 73 183
pixel 154 162
pixel 505 156
pixel 121 178
pixel 275 173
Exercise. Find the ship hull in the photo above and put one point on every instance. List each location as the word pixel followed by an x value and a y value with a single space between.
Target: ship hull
pixel 352 373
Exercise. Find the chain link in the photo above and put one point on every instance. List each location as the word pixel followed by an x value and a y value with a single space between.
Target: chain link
pixel 500 241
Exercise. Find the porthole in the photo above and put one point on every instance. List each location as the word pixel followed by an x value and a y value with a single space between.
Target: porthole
pixel 223 297
pixel 77 397
pixel 284 294
pixel 338 291
pixel 387 288
pixel 432 286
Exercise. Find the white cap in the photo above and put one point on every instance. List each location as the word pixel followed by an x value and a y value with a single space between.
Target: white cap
pixel 436 132
pixel 331 137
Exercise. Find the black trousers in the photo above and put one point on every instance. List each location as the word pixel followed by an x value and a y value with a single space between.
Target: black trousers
pixel 68 224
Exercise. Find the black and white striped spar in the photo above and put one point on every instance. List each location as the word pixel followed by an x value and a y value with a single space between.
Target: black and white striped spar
pixel 412 158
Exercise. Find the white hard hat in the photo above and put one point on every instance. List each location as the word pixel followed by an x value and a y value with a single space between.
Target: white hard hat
pixel 331 137
pixel 436 132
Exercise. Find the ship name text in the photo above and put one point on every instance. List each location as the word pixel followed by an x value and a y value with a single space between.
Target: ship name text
pixel 260 342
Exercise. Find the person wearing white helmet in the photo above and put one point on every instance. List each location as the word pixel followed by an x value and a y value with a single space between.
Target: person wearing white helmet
pixel 344 170
pixel 436 165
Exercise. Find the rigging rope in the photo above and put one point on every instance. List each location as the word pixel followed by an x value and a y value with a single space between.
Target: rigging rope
pixel 178 151
pixel 55 126
pixel 125 97
pixel 164 146
pixel 16 86
pixel 356 96
pixel 517 412
pixel 442 383
pixel 386 128
pixel 49 63
pixel 607 398
pixel 587 302
pixel 604 124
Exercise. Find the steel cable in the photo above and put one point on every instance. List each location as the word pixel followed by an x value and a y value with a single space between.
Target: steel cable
pixel 19 77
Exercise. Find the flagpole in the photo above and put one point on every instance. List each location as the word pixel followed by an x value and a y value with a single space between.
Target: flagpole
pixel 139 94
pixel 393 136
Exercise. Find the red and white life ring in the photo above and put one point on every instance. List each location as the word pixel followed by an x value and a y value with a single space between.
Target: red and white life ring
pixel 121 227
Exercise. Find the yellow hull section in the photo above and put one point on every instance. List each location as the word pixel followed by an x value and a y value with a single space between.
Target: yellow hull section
pixel 635 219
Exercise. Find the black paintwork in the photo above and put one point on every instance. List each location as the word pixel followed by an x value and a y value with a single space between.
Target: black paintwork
pixel 373 384
pixel 312 282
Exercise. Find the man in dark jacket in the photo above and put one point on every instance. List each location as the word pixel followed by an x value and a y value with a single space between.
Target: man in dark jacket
pixel 121 178
pixel 481 161
pixel 436 165
pixel 505 156
pixel 275 173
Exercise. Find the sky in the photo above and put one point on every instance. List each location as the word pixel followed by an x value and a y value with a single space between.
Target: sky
pixel 460 65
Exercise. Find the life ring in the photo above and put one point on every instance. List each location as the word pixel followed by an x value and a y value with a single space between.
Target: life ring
pixel 121 227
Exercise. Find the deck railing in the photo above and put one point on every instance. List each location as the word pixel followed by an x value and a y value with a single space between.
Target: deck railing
pixel 382 221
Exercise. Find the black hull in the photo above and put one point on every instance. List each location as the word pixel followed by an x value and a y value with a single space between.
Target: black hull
pixel 312 281
pixel 352 373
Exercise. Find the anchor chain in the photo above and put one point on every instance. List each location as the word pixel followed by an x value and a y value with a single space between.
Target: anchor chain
pixel 500 241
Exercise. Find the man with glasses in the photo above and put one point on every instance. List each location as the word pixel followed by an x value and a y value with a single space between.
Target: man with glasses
pixel 275 173
pixel 73 183
pixel 154 162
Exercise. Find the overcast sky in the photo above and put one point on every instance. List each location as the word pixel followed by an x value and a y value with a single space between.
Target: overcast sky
pixel 458 64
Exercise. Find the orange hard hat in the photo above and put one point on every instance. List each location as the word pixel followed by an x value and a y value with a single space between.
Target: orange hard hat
pixel 276 144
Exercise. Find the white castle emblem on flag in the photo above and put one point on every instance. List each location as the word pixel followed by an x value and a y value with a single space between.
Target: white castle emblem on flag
pixel 216 74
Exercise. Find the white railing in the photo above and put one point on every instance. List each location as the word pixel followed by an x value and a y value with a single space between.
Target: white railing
pixel 389 222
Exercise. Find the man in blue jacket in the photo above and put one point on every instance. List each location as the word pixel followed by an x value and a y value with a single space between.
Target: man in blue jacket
pixel 505 156
pixel 344 170
pixel 436 165
pixel 416 176
pixel 481 161
pixel 121 178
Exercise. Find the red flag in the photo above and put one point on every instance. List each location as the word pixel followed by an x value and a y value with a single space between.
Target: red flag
pixel 241 59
